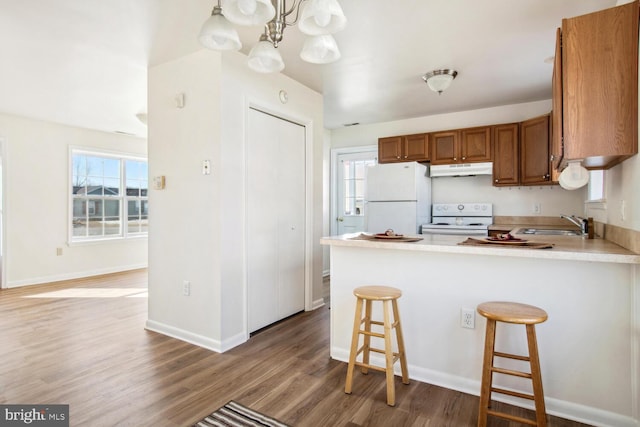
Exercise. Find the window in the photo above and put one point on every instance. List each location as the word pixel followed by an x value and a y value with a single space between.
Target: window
pixel 596 185
pixel 106 189
pixel 354 180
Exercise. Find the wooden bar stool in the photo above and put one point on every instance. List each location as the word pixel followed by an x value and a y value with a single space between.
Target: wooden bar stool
pixel 511 312
pixel 389 297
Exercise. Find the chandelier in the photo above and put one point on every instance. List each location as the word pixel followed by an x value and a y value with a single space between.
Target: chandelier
pixel 318 19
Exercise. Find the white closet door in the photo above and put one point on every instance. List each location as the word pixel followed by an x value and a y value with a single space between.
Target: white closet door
pixel 291 197
pixel 276 213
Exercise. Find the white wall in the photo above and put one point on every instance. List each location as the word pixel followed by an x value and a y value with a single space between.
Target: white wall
pixel 36 161
pixel 184 221
pixel 198 223
pixel 507 201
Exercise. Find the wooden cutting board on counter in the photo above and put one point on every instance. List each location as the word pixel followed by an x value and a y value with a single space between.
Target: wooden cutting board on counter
pixel 506 243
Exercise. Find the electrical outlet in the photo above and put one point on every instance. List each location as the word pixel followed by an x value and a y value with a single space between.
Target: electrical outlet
pixel 186 288
pixel 467 318
pixel 58 251
pixel 537 208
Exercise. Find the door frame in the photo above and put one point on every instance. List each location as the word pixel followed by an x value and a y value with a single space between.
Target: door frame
pixel 335 153
pixel 307 123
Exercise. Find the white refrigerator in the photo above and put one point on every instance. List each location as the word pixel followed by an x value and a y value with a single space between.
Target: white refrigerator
pixel 398 197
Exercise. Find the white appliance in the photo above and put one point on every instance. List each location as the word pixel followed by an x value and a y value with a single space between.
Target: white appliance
pixel 398 197
pixel 460 218
pixel 462 169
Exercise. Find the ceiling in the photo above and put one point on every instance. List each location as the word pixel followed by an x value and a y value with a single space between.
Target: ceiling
pixel 84 62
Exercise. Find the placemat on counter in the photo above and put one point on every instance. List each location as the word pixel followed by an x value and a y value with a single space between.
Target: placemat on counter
pixel 506 243
pixel 363 236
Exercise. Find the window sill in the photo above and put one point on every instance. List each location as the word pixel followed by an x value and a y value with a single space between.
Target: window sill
pixel 107 240
pixel 600 205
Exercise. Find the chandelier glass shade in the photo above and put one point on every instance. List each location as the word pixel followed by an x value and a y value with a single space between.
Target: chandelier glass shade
pixel 321 49
pixel 264 57
pixel 218 34
pixel 439 80
pixel 248 12
pixel 322 17
pixel 315 18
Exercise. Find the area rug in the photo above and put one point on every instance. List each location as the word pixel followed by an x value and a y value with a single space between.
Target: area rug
pixel 237 415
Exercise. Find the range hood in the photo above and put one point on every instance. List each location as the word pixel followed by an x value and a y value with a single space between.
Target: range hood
pixel 462 169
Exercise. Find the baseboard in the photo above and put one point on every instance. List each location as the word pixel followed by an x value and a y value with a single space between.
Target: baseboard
pixel 74 275
pixel 182 335
pixel 234 341
pixel 317 304
pixel 555 407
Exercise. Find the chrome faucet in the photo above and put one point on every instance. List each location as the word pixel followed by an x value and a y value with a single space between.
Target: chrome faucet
pixel 581 223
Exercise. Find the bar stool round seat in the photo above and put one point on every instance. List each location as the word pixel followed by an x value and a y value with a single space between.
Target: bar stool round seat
pixel 511 312
pixel 365 296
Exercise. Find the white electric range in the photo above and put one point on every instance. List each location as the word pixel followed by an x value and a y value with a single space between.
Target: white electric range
pixel 460 218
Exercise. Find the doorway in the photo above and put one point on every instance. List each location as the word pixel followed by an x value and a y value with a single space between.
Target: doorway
pixel 348 185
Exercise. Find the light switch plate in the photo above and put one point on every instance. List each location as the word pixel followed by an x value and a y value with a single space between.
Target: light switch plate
pixel 158 182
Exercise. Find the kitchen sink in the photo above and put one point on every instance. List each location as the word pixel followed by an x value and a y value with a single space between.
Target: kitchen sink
pixel 550 231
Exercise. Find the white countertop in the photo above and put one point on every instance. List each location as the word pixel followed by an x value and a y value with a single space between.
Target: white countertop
pixel 565 247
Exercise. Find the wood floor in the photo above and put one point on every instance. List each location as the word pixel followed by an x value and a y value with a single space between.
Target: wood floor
pixel 83 343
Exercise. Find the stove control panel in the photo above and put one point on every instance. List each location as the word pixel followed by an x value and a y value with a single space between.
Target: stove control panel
pixel 462 209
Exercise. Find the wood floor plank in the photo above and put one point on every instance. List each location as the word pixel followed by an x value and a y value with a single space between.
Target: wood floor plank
pixel 93 353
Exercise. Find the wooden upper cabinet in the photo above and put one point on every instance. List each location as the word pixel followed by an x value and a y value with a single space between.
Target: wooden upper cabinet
pixel 407 148
pixel 506 157
pixel 390 149
pixel 556 113
pixel 600 86
pixel 416 147
pixel 535 164
pixel 475 144
pixel 461 146
pixel 445 148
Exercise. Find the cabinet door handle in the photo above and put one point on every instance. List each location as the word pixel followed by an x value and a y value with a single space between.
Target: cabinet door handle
pixel 405 157
pixel 463 158
pixel 497 180
pixel 455 158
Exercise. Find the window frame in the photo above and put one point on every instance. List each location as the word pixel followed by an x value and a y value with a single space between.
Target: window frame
pixel 122 198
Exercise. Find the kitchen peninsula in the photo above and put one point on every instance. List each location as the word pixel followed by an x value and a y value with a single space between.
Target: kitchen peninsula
pixel 589 347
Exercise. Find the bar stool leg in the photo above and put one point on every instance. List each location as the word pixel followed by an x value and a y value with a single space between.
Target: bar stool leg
pixel 388 352
pixel 366 349
pixel 536 377
pixel 487 364
pixel 400 339
pixel 354 346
